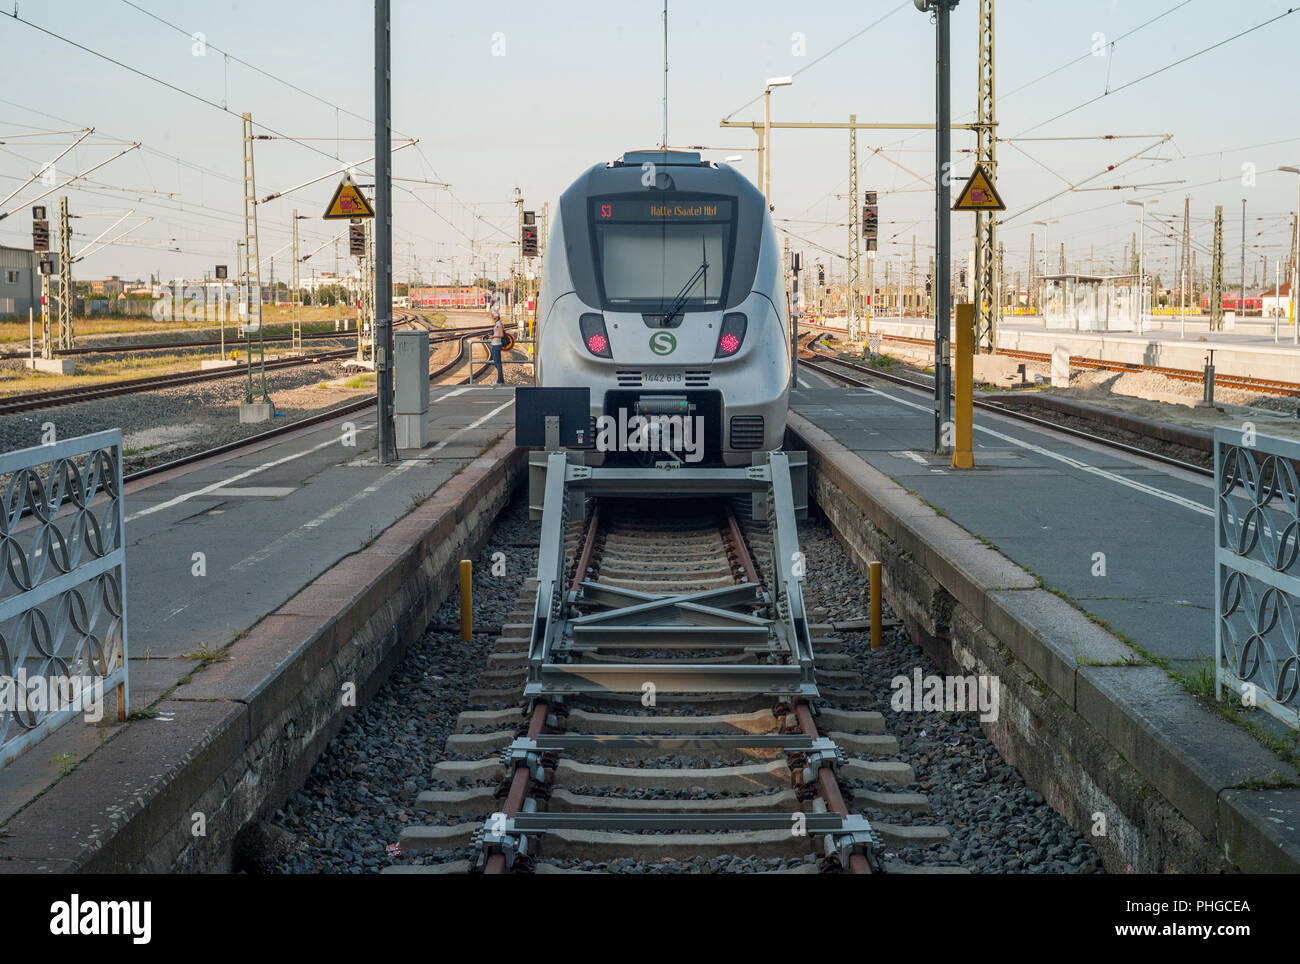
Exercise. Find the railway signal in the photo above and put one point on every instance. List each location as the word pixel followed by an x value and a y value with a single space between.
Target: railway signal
pixel 40 232
pixel 528 238
pixel 356 238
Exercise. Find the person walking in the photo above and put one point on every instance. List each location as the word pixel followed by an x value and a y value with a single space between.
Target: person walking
pixel 498 340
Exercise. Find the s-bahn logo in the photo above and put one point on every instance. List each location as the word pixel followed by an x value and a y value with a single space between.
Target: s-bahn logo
pixel 663 343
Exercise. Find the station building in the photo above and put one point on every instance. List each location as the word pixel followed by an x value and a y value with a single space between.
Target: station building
pixel 20 281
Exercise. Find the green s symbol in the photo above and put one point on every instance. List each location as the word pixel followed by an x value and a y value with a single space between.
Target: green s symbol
pixel 663 343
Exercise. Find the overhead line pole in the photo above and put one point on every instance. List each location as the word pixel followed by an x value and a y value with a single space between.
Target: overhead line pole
pixel 383 318
pixel 988 304
pixel 942 217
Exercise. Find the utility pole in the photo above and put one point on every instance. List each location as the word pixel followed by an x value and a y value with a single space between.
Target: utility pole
pixel 988 304
pixel 1295 258
pixel 942 216
pixel 252 273
pixel 1216 273
pixel 664 144
pixel 67 295
pixel 855 230
pixel 1241 304
pixel 1185 263
pixel 1029 289
pixel 294 282
pixel 912 277
pixel 47 343
pixel 383 328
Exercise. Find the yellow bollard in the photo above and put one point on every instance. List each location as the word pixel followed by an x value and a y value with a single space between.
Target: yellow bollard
pixel 963 364
pixel 873 574
pixel 466 600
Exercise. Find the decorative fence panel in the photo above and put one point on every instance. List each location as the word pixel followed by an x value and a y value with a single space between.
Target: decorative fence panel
pixel 1256 572
pixel 63 637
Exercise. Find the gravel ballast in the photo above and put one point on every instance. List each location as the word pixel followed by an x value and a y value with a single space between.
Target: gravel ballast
pixel 361 794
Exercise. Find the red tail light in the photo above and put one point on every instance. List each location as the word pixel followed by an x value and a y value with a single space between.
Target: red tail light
pixel 594 335
pixel 732 335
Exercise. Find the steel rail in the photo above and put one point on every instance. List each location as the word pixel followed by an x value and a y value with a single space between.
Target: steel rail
pixel 1008 411
pixel 1241 382
pixel 547 738
pixel 31 401
pixel 347 408
pixel 164 346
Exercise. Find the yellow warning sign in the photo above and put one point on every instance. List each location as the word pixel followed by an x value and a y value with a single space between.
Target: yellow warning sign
pixel 979 194
pixel 348 202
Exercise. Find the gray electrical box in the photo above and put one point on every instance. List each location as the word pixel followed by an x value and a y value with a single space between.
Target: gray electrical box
pixel 411 392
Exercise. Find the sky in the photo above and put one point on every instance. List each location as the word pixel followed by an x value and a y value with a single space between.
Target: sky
pixel 506 95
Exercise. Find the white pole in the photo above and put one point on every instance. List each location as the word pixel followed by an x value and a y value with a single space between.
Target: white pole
pixel 1277 298
pixel 1142 267
pixel 31 334
pixel 1295 265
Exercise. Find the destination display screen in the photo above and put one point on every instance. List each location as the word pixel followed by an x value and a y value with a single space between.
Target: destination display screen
pixel 657 208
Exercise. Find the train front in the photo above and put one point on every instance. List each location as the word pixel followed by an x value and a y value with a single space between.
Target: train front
pixel 663 292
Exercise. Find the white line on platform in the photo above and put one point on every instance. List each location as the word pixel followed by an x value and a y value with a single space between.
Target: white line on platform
pixel 1073 463
pixel 238 477
pixel 256 491
pixel 267 551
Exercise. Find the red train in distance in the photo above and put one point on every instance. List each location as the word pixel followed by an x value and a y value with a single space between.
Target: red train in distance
pixel 1234 303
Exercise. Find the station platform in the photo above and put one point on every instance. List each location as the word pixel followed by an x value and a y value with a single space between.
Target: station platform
pixel 1096 568
pixel 1249 350
pixel 236 567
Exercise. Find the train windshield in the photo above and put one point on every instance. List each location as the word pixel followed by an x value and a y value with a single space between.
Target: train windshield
pixel 663 250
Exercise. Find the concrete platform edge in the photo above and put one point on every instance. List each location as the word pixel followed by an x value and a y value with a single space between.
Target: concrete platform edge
pixel 244 734
pixel 1174 782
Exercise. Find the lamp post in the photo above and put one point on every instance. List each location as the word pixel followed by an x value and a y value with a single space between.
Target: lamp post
pixel 1295 260
pixel 1142 260
pixel 767 132
pixel 942 215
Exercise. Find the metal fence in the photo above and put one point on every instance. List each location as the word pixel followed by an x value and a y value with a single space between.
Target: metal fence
pixel 1256 573
pixel 63 639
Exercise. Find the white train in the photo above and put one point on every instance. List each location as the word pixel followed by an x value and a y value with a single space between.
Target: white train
pixel 662 291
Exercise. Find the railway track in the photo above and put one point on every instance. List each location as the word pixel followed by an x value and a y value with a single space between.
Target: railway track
pixel 665 700
pixel 167 346
pixel 462 336
pixel 816 359
pixel 67 396
pixel 1265 386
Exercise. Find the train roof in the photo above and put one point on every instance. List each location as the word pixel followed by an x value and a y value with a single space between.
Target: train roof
pixel 666 158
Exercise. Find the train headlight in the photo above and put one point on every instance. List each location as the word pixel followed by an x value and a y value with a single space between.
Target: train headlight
pixel 732 335
pixel 594 335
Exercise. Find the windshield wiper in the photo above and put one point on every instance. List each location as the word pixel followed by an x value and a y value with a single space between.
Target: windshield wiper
pixel 680 301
